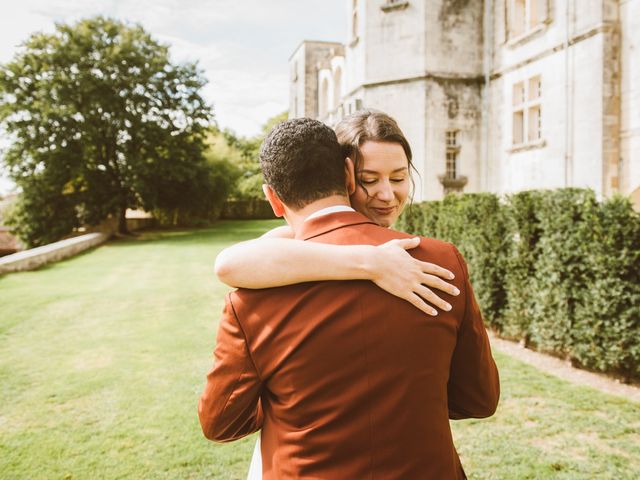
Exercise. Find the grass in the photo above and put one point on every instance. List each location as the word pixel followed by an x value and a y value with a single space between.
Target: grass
pixel 103 357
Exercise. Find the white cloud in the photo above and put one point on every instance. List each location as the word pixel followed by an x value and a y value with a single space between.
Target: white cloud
pixel 242 45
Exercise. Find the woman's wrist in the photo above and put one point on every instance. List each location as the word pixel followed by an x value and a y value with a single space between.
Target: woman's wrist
pixel 367 262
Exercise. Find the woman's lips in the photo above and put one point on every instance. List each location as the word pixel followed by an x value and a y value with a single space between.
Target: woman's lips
pixel 383 211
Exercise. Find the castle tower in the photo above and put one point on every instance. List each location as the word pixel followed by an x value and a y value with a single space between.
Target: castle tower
pixel 419 61
pixel 498 96
pixel 311 94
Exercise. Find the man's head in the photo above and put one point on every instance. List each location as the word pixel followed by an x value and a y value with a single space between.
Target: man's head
pixel 302 162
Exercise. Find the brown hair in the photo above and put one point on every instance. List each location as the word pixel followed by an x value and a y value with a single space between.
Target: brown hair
pixel 370 126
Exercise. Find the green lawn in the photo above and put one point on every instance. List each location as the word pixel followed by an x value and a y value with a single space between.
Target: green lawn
pixel 103 357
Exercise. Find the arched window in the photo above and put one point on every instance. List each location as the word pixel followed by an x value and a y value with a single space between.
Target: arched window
pixel 337 87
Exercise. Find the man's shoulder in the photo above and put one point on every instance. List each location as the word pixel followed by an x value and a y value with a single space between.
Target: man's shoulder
pixel 427 242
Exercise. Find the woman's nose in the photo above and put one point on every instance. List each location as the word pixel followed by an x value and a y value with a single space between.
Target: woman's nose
pixel 385 192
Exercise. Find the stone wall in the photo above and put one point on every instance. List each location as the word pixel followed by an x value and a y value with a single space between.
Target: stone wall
pixel 575 51
pixel 37 257
pixel 630 99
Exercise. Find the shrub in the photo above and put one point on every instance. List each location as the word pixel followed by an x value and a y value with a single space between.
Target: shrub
pixel 251 209
pixel 560 272
pixel 554 268
pixel 523 225
pixel 605 334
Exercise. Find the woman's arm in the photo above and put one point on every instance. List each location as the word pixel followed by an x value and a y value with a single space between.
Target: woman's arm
pixel 284 261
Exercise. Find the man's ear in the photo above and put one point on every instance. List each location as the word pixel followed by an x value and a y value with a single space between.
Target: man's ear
pixel 274 200
pixel 350 175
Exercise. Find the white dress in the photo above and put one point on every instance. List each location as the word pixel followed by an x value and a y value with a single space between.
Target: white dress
pixel 255 469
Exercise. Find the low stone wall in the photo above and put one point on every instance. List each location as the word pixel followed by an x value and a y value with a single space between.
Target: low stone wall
pixel 36 257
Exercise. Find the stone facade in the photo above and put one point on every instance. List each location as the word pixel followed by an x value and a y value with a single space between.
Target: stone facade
pixel 306 64
pixel 497 96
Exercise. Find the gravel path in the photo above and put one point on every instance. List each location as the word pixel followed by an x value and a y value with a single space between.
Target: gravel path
pixel 564 370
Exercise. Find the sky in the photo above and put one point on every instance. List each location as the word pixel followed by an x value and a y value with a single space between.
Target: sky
pixel 243 46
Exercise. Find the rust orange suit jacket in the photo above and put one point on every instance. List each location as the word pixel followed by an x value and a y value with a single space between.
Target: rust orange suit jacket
pixel 345 380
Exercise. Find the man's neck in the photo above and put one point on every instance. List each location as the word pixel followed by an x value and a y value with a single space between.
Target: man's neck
pixel 296 218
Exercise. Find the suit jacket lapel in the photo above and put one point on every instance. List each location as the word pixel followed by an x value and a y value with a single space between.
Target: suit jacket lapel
pixel 326 223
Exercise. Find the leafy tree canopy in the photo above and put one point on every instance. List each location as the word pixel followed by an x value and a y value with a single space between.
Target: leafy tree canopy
pixel 100 121
pixel 243 153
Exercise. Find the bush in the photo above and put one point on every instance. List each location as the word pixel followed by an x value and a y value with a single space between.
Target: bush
pixel 250 187
pixel 606 327
pixel 411 220
pixel 30 216
pixel 523 225
pixel 556 269
pixel 560 271
pixel 252 209
pixel 199 198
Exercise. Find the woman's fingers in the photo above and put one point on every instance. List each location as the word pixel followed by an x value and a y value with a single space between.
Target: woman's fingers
pixel 420 304
pixel 439 284
pixel 437 270
pixel 406 243
pixel 428 296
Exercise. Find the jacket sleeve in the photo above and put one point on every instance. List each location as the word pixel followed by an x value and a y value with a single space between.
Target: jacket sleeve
pixel 474 386
pixel 229 407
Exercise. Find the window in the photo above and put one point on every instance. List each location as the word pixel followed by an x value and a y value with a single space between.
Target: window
pixel 527 113
pixel 451 180
pixel 453 150
pixel 525 15
pixel 452 138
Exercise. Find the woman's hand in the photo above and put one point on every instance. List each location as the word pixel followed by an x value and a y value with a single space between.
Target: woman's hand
pixel 397 272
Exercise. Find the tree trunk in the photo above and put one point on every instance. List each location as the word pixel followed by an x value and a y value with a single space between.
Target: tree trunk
pixel 122 222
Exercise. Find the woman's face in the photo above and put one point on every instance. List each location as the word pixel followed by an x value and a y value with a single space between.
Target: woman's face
pixel 383 182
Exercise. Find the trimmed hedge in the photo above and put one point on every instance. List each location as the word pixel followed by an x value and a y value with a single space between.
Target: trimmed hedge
pixel 251 209
pixel 475 225
pixel 556 269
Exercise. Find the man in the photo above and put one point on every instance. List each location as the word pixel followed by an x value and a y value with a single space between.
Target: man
pixel 345 380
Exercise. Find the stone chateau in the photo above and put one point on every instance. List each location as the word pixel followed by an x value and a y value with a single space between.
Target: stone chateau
pixel 500 95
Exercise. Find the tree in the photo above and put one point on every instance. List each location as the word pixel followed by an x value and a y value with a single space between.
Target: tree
pixel 101 121
pixel 243 152
pixel 273 121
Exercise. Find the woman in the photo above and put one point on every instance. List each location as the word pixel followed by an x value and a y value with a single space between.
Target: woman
pixel 382 160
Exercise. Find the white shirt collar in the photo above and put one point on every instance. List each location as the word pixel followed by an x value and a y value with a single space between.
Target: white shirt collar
pixel 328 210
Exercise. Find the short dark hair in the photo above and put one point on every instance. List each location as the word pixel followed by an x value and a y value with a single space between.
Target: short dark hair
pixel 302 162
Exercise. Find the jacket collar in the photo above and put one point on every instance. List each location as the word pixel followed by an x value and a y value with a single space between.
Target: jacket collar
pixel 326 223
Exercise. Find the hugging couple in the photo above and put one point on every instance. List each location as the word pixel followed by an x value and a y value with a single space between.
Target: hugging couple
pixel 335 347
